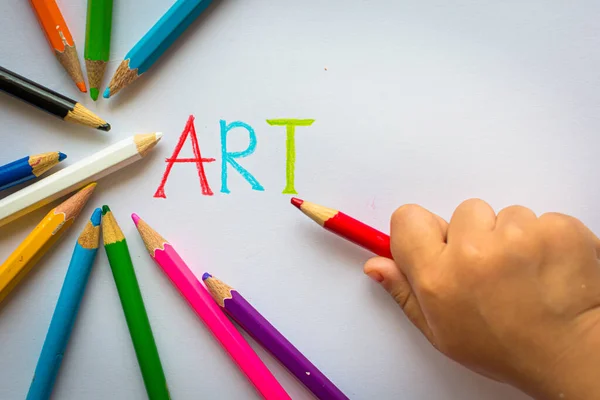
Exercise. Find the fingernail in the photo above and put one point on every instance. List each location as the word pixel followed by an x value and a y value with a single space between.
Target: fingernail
pixel 376 276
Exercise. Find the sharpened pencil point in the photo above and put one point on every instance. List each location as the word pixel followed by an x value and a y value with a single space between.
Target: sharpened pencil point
pixel 105 209
pixel 96 217
pixel 206 275
pixel 296 202
pixel 94 92
pixel 135 218
pixel 81 86
pixel 61 156
pixel 106 93
pixel 105 127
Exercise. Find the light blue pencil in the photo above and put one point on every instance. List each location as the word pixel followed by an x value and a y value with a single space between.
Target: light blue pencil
pixel 155 42
pixel 66 310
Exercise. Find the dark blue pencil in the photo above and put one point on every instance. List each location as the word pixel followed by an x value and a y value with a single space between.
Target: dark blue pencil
pixel 27 168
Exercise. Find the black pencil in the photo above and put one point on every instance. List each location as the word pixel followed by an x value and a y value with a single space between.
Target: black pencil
pixel 49 101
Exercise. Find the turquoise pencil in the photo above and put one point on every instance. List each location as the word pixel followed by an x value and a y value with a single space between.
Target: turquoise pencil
pixel 155 42
pixel 66 310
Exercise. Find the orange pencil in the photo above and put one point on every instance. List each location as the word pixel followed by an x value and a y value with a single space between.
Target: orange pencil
pixel 60 38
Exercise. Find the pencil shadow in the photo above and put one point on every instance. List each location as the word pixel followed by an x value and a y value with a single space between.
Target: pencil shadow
pixel 129 94
pixel 348 253
pixel 41 118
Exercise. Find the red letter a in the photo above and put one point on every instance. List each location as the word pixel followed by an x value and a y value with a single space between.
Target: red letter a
pixel 191 130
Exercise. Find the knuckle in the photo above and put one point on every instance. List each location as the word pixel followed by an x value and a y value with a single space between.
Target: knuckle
pixel 514 235
pixel 518 246
pixel 516 210
pixel 405 212
pixel 554 225
pixel 471 254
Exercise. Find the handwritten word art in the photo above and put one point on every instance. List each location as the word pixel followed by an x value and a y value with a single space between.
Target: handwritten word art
pixel 229 159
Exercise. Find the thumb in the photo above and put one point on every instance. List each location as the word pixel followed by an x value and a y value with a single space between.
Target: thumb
pixel 387 273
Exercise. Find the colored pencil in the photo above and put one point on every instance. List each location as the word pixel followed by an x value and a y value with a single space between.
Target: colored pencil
pixel 76 175
pixel 155 42
pixel 346 227
pixel 202 303
pixel 66 310
pixel 97 42
pixel 27 168
pixel 271 339
pixel 48 100
pixel 133 307
pixel 40 240
pixel 57 32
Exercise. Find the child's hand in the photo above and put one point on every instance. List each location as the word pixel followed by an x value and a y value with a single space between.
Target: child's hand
pixel 511 296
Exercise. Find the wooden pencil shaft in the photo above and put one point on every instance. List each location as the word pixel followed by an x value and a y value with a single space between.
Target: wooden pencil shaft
pixel 27 168
pixel 17 266
pixel 15 172
pixel 137 319
pixel 61 324
pixel 98 30
pixel 65 311
pixel 281 348
pixel 155 42
pixel 201 302
pixel 35 94
pixel 57 32
pixel 70 178
pixel 53 24
pixel 43 236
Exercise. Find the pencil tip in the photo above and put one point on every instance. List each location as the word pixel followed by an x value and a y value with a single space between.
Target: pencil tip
pixel 135 218
pixel 106 93
pixel 296 202
pixel 94 92
pixel 105 127
pixel 96 217
pixel 81 86
pixel 105 209
pixel 61 156
pixel 206 275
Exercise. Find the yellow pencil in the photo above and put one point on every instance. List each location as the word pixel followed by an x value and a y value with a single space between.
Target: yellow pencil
pixel 41 239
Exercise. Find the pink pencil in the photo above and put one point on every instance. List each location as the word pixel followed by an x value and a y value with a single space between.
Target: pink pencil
pixel 201 301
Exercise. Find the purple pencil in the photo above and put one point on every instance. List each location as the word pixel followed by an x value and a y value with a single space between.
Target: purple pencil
pixel 264 333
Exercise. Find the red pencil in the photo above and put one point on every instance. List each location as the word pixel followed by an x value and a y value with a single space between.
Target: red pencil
pixel 346 227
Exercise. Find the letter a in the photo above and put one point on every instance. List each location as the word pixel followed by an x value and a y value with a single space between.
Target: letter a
pixel 191 131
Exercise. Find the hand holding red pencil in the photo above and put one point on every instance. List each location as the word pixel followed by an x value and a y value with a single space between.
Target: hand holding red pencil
pixel 511 296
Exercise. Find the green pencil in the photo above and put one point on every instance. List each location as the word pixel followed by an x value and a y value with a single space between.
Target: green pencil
pixel 133 307
pixel 97 42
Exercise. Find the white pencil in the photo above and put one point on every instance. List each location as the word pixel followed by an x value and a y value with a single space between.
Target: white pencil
pixel 76 176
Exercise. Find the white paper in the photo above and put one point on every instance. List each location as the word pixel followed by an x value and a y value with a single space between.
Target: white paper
pixel 428 102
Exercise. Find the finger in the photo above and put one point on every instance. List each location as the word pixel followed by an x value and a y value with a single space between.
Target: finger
pixel 519 216
pixel 565 237
pixel 387 273
pixel 517 231
pixel 417 237
pixel 515 218
pixel 471 218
